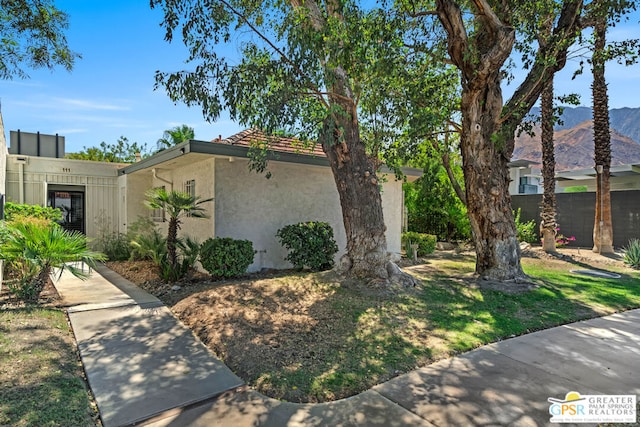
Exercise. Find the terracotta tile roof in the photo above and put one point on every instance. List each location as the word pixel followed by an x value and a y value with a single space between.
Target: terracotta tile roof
pixel 282 144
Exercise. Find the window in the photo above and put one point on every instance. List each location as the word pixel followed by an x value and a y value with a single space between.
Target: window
pixel 157 215
pixel 189 187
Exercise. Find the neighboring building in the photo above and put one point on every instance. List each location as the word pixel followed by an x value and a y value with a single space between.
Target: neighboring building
pixel 622 177
pixel 85 191
pixel 525 177
pixel 99 197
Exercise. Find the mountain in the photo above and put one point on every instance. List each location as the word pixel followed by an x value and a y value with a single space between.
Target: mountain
pixel 624 120
pixel 574 147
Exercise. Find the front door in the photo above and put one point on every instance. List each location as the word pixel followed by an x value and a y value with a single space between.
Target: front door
pixel 71 203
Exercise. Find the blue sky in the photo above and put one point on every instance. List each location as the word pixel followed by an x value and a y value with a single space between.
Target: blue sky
pixel 110 91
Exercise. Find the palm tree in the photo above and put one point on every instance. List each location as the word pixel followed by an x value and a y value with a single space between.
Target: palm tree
pixel 176 136
pixel 548 212
pixel 603 226
pixel 548 224
pixel 41 247
pixel 176 205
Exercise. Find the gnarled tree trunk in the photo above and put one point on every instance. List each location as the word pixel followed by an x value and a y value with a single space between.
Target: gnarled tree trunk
pixel 488 130
pixel 485 157
pixel 487 185
pixel 361 203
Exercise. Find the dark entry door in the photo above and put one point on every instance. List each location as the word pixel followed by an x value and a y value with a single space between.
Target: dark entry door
pixel 71 203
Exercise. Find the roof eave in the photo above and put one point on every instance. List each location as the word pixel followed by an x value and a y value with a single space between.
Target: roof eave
pixel 230 150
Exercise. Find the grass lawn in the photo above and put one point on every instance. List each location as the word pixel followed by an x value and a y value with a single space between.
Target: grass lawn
pixel 41 380
pixel 306 337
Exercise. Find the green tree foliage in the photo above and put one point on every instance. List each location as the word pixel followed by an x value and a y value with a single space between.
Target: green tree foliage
pixel 433 206
pixel 32 36
pixel 305 68
pixel 36 248
pixel 176 136
pixel 177 204
pixel 122 151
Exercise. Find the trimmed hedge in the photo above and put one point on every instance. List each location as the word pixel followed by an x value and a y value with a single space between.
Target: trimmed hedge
pixel 310 244
pixel 226 257
pixel 426 242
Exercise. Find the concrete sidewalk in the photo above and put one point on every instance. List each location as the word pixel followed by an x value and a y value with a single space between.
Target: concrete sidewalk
pixel 145 367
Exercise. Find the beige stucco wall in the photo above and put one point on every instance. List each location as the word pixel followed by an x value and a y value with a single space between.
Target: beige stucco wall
pixel 131 197
pixel 28 179
pixel 249 206
pixel 202 172
pixel 172 177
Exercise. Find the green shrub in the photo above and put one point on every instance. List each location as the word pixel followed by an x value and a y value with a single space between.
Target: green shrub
pixel 426 242
pixel 632 253
pixel 151 246
pixel 15 210
pixel 310 244
pixel 226 257
pixel 115 246
pixel 526 230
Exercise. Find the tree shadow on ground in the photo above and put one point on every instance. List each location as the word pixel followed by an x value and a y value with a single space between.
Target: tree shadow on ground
pixel 40 377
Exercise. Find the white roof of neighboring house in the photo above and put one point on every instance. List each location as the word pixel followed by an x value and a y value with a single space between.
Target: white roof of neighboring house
pixel 590 173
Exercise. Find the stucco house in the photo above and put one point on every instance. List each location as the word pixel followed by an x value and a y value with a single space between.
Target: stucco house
pixel 101 197
pixel 247 205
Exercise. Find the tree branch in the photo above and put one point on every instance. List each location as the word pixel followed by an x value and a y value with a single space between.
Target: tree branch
pixel 528 92
pixel 278 51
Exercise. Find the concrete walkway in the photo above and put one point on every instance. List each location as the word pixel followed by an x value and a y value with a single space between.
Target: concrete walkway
pixel 145 367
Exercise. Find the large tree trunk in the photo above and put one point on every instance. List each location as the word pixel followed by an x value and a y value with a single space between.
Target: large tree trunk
pixel 548 212
pixel 487 139
pixel 485 150
pixel 360 200
pixel 354 171
pixel 487 185
pixel 603 227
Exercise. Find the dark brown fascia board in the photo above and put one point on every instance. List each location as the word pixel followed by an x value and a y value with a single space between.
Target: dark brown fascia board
pixel 229 150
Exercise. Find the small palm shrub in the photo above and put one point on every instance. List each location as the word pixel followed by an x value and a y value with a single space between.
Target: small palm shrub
pixel 188 250
pixel 151 246
pixel 632 254
pixel 426 242
pixel 310 244
pixel 35 248
pixel 224 257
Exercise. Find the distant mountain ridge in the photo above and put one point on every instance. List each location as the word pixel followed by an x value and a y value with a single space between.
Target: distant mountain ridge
pixel 574 147
pixel 626 121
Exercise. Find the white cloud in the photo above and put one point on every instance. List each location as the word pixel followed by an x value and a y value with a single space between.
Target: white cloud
pixel 90 105
pixel 71 131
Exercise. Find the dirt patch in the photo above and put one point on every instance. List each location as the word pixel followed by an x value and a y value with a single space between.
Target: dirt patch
pixel 49 297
